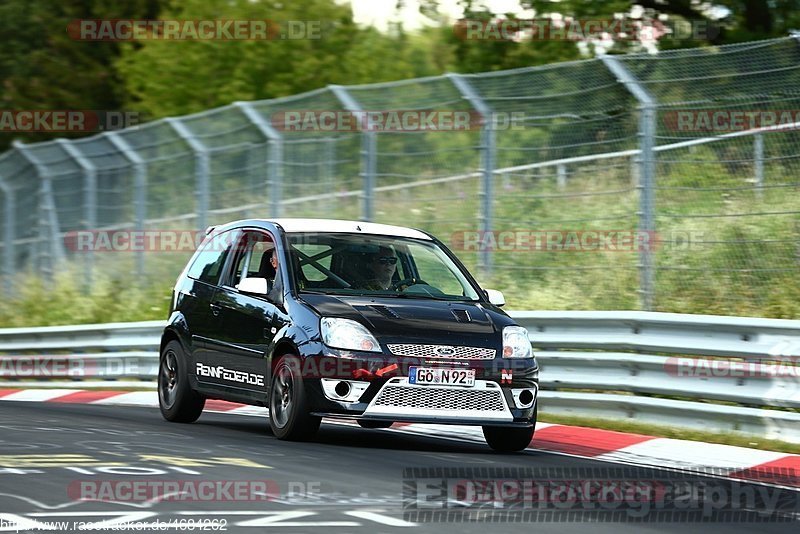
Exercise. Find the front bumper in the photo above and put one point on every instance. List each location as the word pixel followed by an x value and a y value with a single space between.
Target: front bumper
pixel 486 403
pixel 386 395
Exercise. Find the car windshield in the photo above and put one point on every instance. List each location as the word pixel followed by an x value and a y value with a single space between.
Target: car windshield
pixel 358 264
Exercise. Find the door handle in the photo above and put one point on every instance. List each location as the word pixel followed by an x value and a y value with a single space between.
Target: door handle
pixel 215 309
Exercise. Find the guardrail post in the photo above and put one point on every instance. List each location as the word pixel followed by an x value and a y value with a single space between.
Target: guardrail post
pixel 758 162
pixel 89 199
pixel 274 155
pixel 488 154
pixel 50 220
pixel 202 170
pixel 8 235
pixel 647 133
pixel 369 155
pixel 140 189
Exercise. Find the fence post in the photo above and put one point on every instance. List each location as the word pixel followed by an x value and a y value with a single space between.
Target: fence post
pixel 202 171
pixel 274 154
pixel 89 199
pixel 369 144
pixel 561 175
pixel 647 133
pixel 758 163
pixel 8 235
pixel 328 173
pixel 140 189
pixel 56 252
pixel 488 149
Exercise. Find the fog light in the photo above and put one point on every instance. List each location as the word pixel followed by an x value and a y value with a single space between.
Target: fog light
pixel 343 390
pixel 524 398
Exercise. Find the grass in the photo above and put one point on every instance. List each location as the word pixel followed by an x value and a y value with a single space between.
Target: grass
pixel 738 440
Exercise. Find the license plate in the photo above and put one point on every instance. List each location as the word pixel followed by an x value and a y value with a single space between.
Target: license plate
pixel 441 377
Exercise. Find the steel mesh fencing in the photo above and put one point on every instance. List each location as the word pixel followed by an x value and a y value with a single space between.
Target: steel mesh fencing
pixel 548 205
pixel 664 182
pixel 727 206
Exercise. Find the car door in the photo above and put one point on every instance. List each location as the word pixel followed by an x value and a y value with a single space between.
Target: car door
pixel 198 292
pixel 249 322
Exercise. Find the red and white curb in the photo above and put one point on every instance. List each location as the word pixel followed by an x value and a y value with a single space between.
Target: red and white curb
pixel 604 445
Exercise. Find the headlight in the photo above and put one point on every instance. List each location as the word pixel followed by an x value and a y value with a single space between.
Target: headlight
pixel 516 343
pixel 348 335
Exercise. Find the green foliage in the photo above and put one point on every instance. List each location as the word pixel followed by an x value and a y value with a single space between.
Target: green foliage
pixel 66 300
pixel 178 77
pixel 43 68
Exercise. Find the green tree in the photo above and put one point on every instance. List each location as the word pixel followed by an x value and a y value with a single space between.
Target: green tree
pixel 729 20
pixel 717 22
pixel 43 68
pixel 177 77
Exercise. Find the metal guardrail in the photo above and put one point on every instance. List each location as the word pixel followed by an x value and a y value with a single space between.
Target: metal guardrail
pixel 702 372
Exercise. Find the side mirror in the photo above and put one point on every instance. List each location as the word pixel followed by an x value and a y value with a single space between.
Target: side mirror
pixel 254 286
pixel 495 297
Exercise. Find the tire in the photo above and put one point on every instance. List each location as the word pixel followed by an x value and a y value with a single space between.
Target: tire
pixel 178 402
pixel 289 415
pixel 374 424
pixel 504 439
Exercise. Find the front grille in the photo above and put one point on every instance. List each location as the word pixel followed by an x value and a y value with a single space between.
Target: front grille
pixel 429 351
pixel 428 398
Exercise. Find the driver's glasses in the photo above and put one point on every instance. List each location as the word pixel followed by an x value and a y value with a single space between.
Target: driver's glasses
pixel 387 260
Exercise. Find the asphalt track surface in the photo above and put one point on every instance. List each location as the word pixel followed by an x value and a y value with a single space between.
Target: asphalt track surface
pixel 55 459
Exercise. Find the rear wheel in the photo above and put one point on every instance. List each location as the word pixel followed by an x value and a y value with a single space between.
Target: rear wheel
pixel 289 415
pixel 505 439
pixel 178 402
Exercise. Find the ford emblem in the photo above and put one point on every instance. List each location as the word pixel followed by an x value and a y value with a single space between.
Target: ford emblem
pixel 445 352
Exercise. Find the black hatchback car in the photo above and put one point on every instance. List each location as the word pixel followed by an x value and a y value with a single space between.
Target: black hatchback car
pixel 325 318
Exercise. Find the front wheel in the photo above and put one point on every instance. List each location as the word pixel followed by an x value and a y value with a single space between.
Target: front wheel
pixel 504 439
pixel 289 415
pixel 178 402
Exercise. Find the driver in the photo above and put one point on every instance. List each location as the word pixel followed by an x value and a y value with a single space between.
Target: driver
pixel 380 269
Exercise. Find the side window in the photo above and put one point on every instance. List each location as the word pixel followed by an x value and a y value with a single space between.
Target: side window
pixel 208 264
pixel 254 255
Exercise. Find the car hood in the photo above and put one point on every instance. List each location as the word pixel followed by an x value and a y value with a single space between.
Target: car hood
pixel 410 320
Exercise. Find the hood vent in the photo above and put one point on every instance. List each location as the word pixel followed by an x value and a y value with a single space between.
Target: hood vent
pixel 386 312
pixel 462 316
